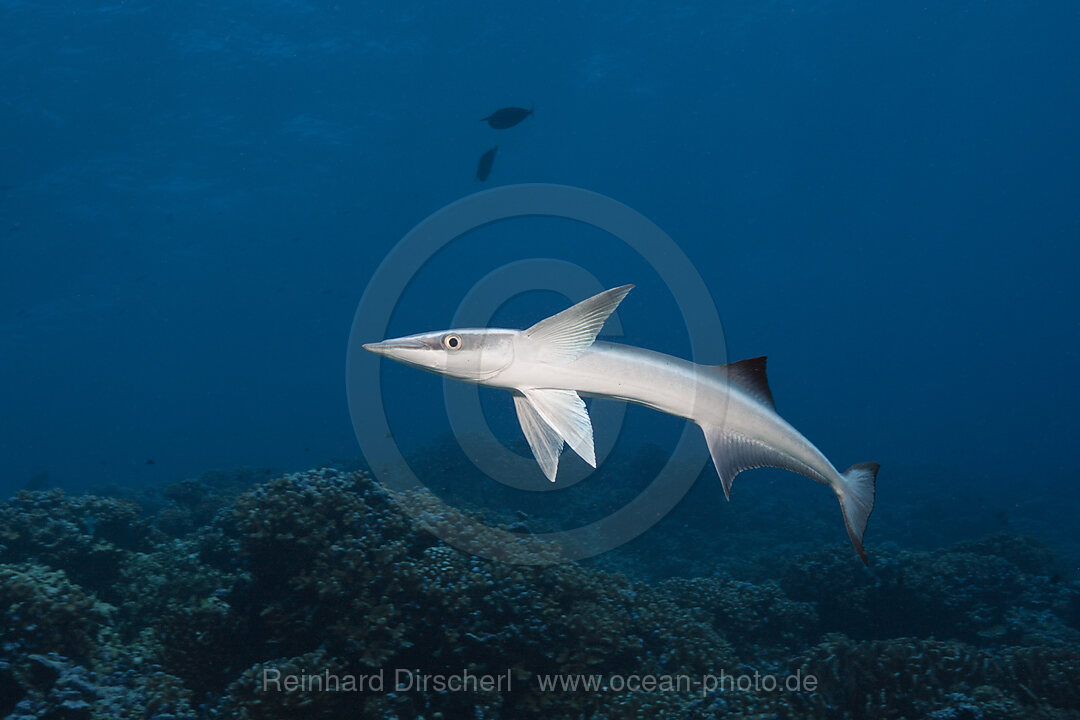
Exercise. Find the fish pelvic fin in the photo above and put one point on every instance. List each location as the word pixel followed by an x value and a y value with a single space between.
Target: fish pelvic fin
pixel 856 495
pixel 545 442
pixel 565 335
pixel 550 416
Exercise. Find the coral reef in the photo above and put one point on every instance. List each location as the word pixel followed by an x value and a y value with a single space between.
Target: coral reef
pixel 186 610
pixel 85 536
pixel 336 565
pixel 42 611
pixel 52 687
pixel 911 677
pixel 752 616
pixel 950 593
pixel 191 504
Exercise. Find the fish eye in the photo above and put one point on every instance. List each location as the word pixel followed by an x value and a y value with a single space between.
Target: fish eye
pixel 451 342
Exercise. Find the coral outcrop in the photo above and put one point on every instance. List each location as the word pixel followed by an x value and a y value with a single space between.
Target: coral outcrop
pixel 200 606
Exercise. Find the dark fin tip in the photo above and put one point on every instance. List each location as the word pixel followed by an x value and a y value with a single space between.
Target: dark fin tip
pixel 750 375
pixel 855 542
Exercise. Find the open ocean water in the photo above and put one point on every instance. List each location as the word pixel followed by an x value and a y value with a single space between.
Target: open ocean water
pixel 216 505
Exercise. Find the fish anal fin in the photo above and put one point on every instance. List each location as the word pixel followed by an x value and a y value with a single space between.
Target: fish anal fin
pixel 732 453
pixel 750 375
pixel 565 335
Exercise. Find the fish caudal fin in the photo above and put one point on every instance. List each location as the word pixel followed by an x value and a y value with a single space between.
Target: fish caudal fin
pixel 856 496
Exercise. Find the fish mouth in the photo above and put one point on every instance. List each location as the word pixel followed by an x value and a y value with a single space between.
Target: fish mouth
pixel 387 346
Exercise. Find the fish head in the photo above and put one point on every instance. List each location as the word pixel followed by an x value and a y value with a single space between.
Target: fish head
pixel 474 355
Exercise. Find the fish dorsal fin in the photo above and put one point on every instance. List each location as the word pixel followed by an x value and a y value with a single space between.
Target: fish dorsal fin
pixel 542 411
pixel 565 335
pixel 750 376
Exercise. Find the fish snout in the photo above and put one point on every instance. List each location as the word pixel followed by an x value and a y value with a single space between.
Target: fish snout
pixel 388 346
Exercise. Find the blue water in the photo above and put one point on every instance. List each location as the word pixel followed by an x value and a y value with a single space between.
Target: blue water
pixel 201 202
pixel 880 197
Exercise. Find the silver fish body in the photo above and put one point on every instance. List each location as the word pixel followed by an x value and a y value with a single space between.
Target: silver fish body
pixel 549 366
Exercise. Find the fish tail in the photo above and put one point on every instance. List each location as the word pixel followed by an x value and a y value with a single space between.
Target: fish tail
pixel 856 495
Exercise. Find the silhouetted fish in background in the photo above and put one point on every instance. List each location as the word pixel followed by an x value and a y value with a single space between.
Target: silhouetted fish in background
pixel 483 168
pixel 507 117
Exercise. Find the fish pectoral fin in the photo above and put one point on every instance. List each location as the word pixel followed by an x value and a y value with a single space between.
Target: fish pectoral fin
pixel 732 453
pixel 560 411
pixel 565 335
pixel 546 444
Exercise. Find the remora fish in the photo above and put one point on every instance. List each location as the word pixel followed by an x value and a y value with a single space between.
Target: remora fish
pixel 552 364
